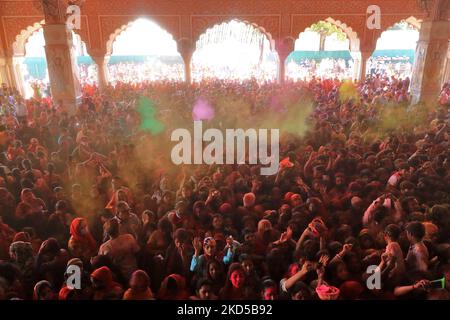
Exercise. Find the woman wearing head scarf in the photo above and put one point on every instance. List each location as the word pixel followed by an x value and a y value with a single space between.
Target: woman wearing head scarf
pixel 105 288
pixel 173 287
pixel 21 254
pixel 6 237
pixel 43 291
pixel 68 291
pixel 198 262
pixel 28 235
pixel 139 287
pixel 7 206
pixel 29 209
pixel 81 243
pixel 51 262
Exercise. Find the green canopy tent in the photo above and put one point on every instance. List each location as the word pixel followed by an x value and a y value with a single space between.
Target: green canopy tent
pixel 392 55
pixel 298 56
pixel 37 66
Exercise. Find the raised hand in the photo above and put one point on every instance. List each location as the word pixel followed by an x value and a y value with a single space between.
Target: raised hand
pixel 197 244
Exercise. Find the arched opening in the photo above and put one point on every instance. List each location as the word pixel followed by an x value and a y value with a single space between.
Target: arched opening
pixel 234 50
pixel 32 63
pixel 394 53
pixel 144 51
pixel 322 50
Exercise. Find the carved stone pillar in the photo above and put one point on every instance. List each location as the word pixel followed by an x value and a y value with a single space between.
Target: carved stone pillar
pixel 8 72
pixel 4 78
pixel 102 70
pixel 186 49
pixel 59 49
pixel 446 77
pixel 284 48
pixel 365 55
pixel 11 72
pixel 431 53
pixel 429 61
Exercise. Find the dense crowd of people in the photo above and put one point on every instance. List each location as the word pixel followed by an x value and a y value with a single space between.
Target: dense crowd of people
pixel 363 181
pixel 146 71
pixel 399 67
pixel 306 69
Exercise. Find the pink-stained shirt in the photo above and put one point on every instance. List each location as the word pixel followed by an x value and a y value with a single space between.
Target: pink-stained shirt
pixel 417 257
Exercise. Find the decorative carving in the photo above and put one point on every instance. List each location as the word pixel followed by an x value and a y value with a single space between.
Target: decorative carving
pixel 25 27
pixel 268 24
pixel 424 5
pixel 435 9
pixel 276 18
pixel 79 3
pixel 53 11
pixel 432 73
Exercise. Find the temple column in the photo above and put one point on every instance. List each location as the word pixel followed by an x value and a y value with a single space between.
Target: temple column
pixel 446 77
pixel 11 72
pixel 186 50
pixel 284 48
pixel 360 59
pixel 187 70
pixel 365 55
pixel 431 55
pixel 4 78
pixel 356 56
pixel 282 68
pixel 102 70
pixel 59 50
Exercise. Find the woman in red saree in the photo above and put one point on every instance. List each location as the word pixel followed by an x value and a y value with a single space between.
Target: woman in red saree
pixel 81 243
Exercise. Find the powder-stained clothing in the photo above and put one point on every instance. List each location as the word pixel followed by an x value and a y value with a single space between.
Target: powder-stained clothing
pixel 122 250
pixel 417 257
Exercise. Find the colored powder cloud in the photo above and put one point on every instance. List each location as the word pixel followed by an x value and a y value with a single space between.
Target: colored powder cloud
pixel 202 110
pixel 147 111
pixel 348 91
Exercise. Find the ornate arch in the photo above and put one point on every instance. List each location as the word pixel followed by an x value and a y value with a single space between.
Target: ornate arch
pixel 267 25
pixel 18 47
pixel 393 20
pixel 113 36
pixel 351 34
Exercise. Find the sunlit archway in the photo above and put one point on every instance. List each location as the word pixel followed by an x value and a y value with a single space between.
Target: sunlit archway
pixel 322 50
pixel 33 66
pixel 144 51
pixel 234 50
pixel 394 53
